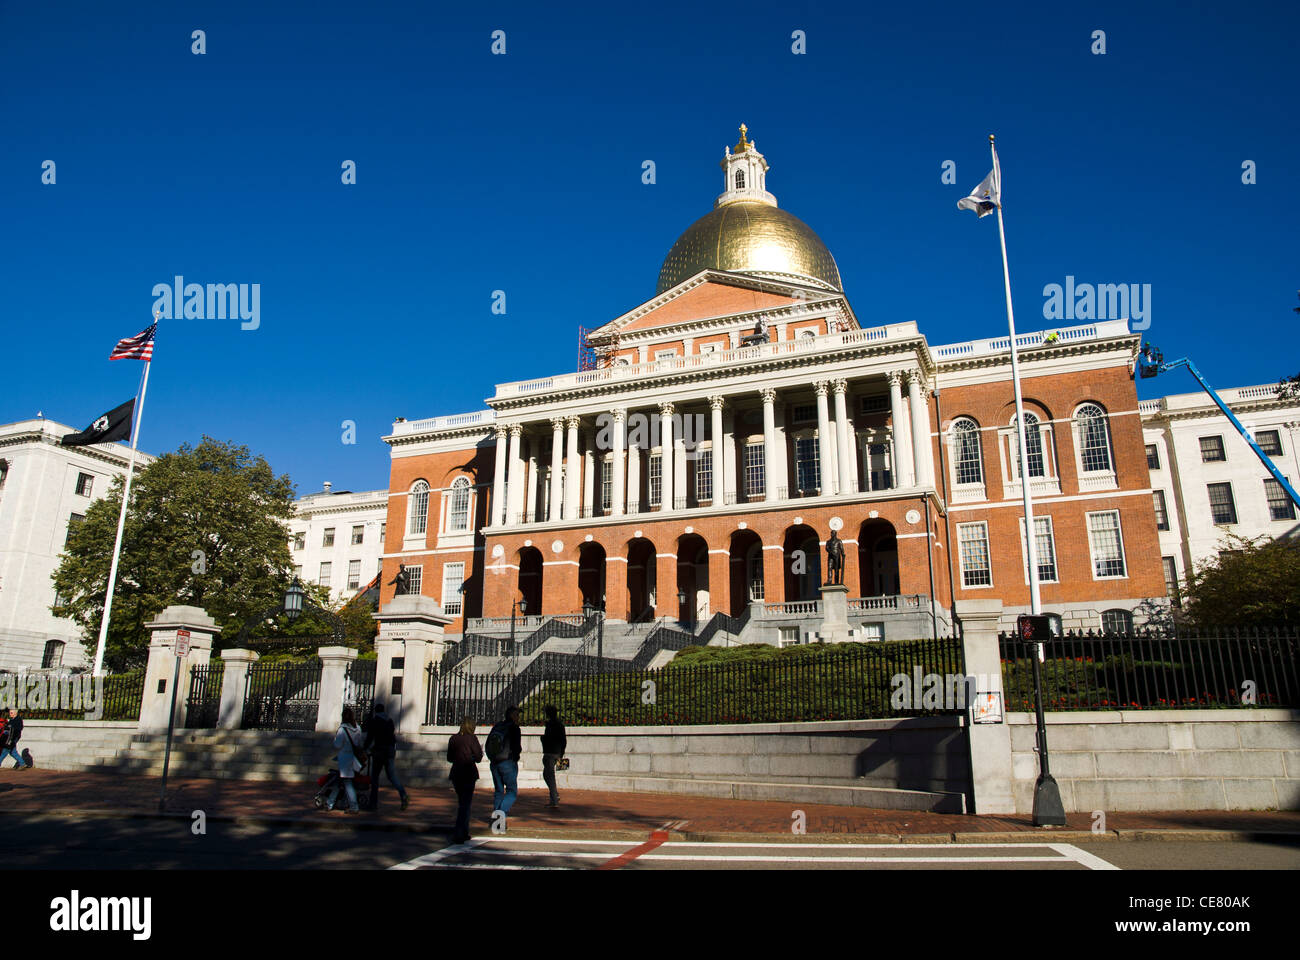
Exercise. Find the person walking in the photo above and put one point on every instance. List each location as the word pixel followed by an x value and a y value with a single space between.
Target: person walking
pixel 13 731
pixel 505 746
pixel 554 743
pixel 464 754
pixel 381 744
pixel 347 741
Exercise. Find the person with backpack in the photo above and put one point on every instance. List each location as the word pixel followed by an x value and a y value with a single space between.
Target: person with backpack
pixel 381 744
pixel 9 740
pixel 464 753
pixel 554 743
pixel 504 747
pixel 351 760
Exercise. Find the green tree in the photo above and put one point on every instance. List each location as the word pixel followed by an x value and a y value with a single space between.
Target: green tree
pixel 206 526
pixel 1251 583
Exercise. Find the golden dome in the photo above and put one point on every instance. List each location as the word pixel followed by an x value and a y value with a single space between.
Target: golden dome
pixel 750 237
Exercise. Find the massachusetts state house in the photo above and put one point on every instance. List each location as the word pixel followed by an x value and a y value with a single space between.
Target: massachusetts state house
pixel 723 428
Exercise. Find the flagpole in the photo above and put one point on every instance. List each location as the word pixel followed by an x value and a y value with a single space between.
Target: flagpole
pixel 1031 545
pixel 121 520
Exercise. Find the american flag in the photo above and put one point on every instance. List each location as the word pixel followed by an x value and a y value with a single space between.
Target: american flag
pixel 139 347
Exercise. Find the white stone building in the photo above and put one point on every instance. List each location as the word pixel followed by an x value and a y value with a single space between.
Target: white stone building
pixel 1208 483
pixel 336 539
pixel 45 489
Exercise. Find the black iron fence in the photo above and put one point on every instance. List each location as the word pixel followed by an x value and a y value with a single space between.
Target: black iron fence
pixel 282 695
pixel 203 705
pixel 116 696
pixel 359 688
pixel 1152 671
pixel 848 682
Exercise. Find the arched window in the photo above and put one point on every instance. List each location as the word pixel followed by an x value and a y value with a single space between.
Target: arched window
pixel 417 509
pixel 1094 438
pixel 1034 463
pixel 458 514
pixel 740 179
pixel 1116 621
pixel 967 457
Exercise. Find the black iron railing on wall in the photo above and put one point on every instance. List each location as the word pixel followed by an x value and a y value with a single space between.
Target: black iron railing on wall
pixel 1152 671
pixel 116 696
pixel 203 705
pixel 282 695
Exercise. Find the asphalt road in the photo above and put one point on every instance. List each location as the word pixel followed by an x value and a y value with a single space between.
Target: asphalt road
pixel 33 841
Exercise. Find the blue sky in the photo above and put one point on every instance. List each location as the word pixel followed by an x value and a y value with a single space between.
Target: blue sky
pixel 522 173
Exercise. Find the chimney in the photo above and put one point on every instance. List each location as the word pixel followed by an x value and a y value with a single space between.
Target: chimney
pixel 327 486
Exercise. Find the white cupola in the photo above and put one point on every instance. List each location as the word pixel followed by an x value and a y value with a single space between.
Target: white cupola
pixel 745 171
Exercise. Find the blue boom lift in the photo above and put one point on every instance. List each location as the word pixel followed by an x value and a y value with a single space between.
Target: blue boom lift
pixel 1152 362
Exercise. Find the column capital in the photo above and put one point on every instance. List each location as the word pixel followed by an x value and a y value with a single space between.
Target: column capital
pixel 572 422
pixel 667 408
pixel 717 403
pixel 822 387
pixel 516 430
pixel 557 423
pixel 502 431
pixel 768 394
pixel 895 378
pixel 619 414
pixel 840 386
pixel 915 376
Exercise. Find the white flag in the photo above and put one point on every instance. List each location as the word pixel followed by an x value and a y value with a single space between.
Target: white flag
pixel 988 195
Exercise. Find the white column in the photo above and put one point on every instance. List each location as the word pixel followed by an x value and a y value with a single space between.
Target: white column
pixel 827 457
pixel 899 433
pixel 588 478
pixel 633 476
pixel 617 475
pixel 572 471
pixel 515 482
pixel 719 454
pixel 499 479
pixel 770 459
pixel 922 455
pixel 531 497
pixel 729 456
pixel 680 478
pixel 845 454
pixel 666 441
pixel 557 467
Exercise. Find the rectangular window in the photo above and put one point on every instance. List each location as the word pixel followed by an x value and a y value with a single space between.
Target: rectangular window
pixel 1162 515
pixel 787 636
pixel 755 474
pixel 326 570
pixel 973 543
pixel 383 531
pixel 655 473
pixel 1171 576
pixel 453 576
pixel 358 534
pixel 1223 509
pixel 808 472
pixel 1153 456
pixel 1212 449
pixel 1045 545
pixel 1270 441
pixel 297 571
pixel 417 579
pixel 84 484
pixel 876 404
pixel 354 574
pixel 805 413
pixel 704 476
pixel 606 486
pixel 300 540
pixel 74 521
pixel 327 540
pixel 1280 506
pixel 1107 542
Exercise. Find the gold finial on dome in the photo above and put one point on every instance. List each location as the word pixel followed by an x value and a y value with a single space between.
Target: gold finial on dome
pixel 743 145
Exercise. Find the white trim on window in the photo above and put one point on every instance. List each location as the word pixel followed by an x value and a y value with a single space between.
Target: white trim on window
pixel 1041 524
pixel 973 545
pixel 1094 522
pixel 453 578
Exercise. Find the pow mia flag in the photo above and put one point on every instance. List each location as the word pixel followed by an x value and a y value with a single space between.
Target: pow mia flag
pixel 114 425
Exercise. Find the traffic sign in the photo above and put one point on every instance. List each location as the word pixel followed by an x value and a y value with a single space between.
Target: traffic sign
pixel 182 643
pixel 1034 629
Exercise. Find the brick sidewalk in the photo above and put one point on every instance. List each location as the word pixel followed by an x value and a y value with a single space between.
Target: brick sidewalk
pixel 96 794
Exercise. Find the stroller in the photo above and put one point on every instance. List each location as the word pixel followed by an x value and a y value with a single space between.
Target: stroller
pixel 326 783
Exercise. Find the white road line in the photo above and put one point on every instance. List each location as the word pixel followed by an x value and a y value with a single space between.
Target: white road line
pixel 678 844
pixel 1091 861
pixel 706 858
pixel 430 859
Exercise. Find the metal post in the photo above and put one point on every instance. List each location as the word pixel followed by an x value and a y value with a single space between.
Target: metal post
pixel 1048 809
pixel 171 721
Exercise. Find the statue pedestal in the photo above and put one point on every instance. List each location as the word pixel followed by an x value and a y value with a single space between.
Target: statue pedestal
pixel 410 639
pixel 835 614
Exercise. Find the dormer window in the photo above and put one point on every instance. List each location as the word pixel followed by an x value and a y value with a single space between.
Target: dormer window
pixel 740 179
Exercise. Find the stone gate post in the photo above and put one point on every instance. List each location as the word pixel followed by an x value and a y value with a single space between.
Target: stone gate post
pixel 155 708
pixel 234 684
pixel 990 743
pixel 410 638
pixel 333 678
